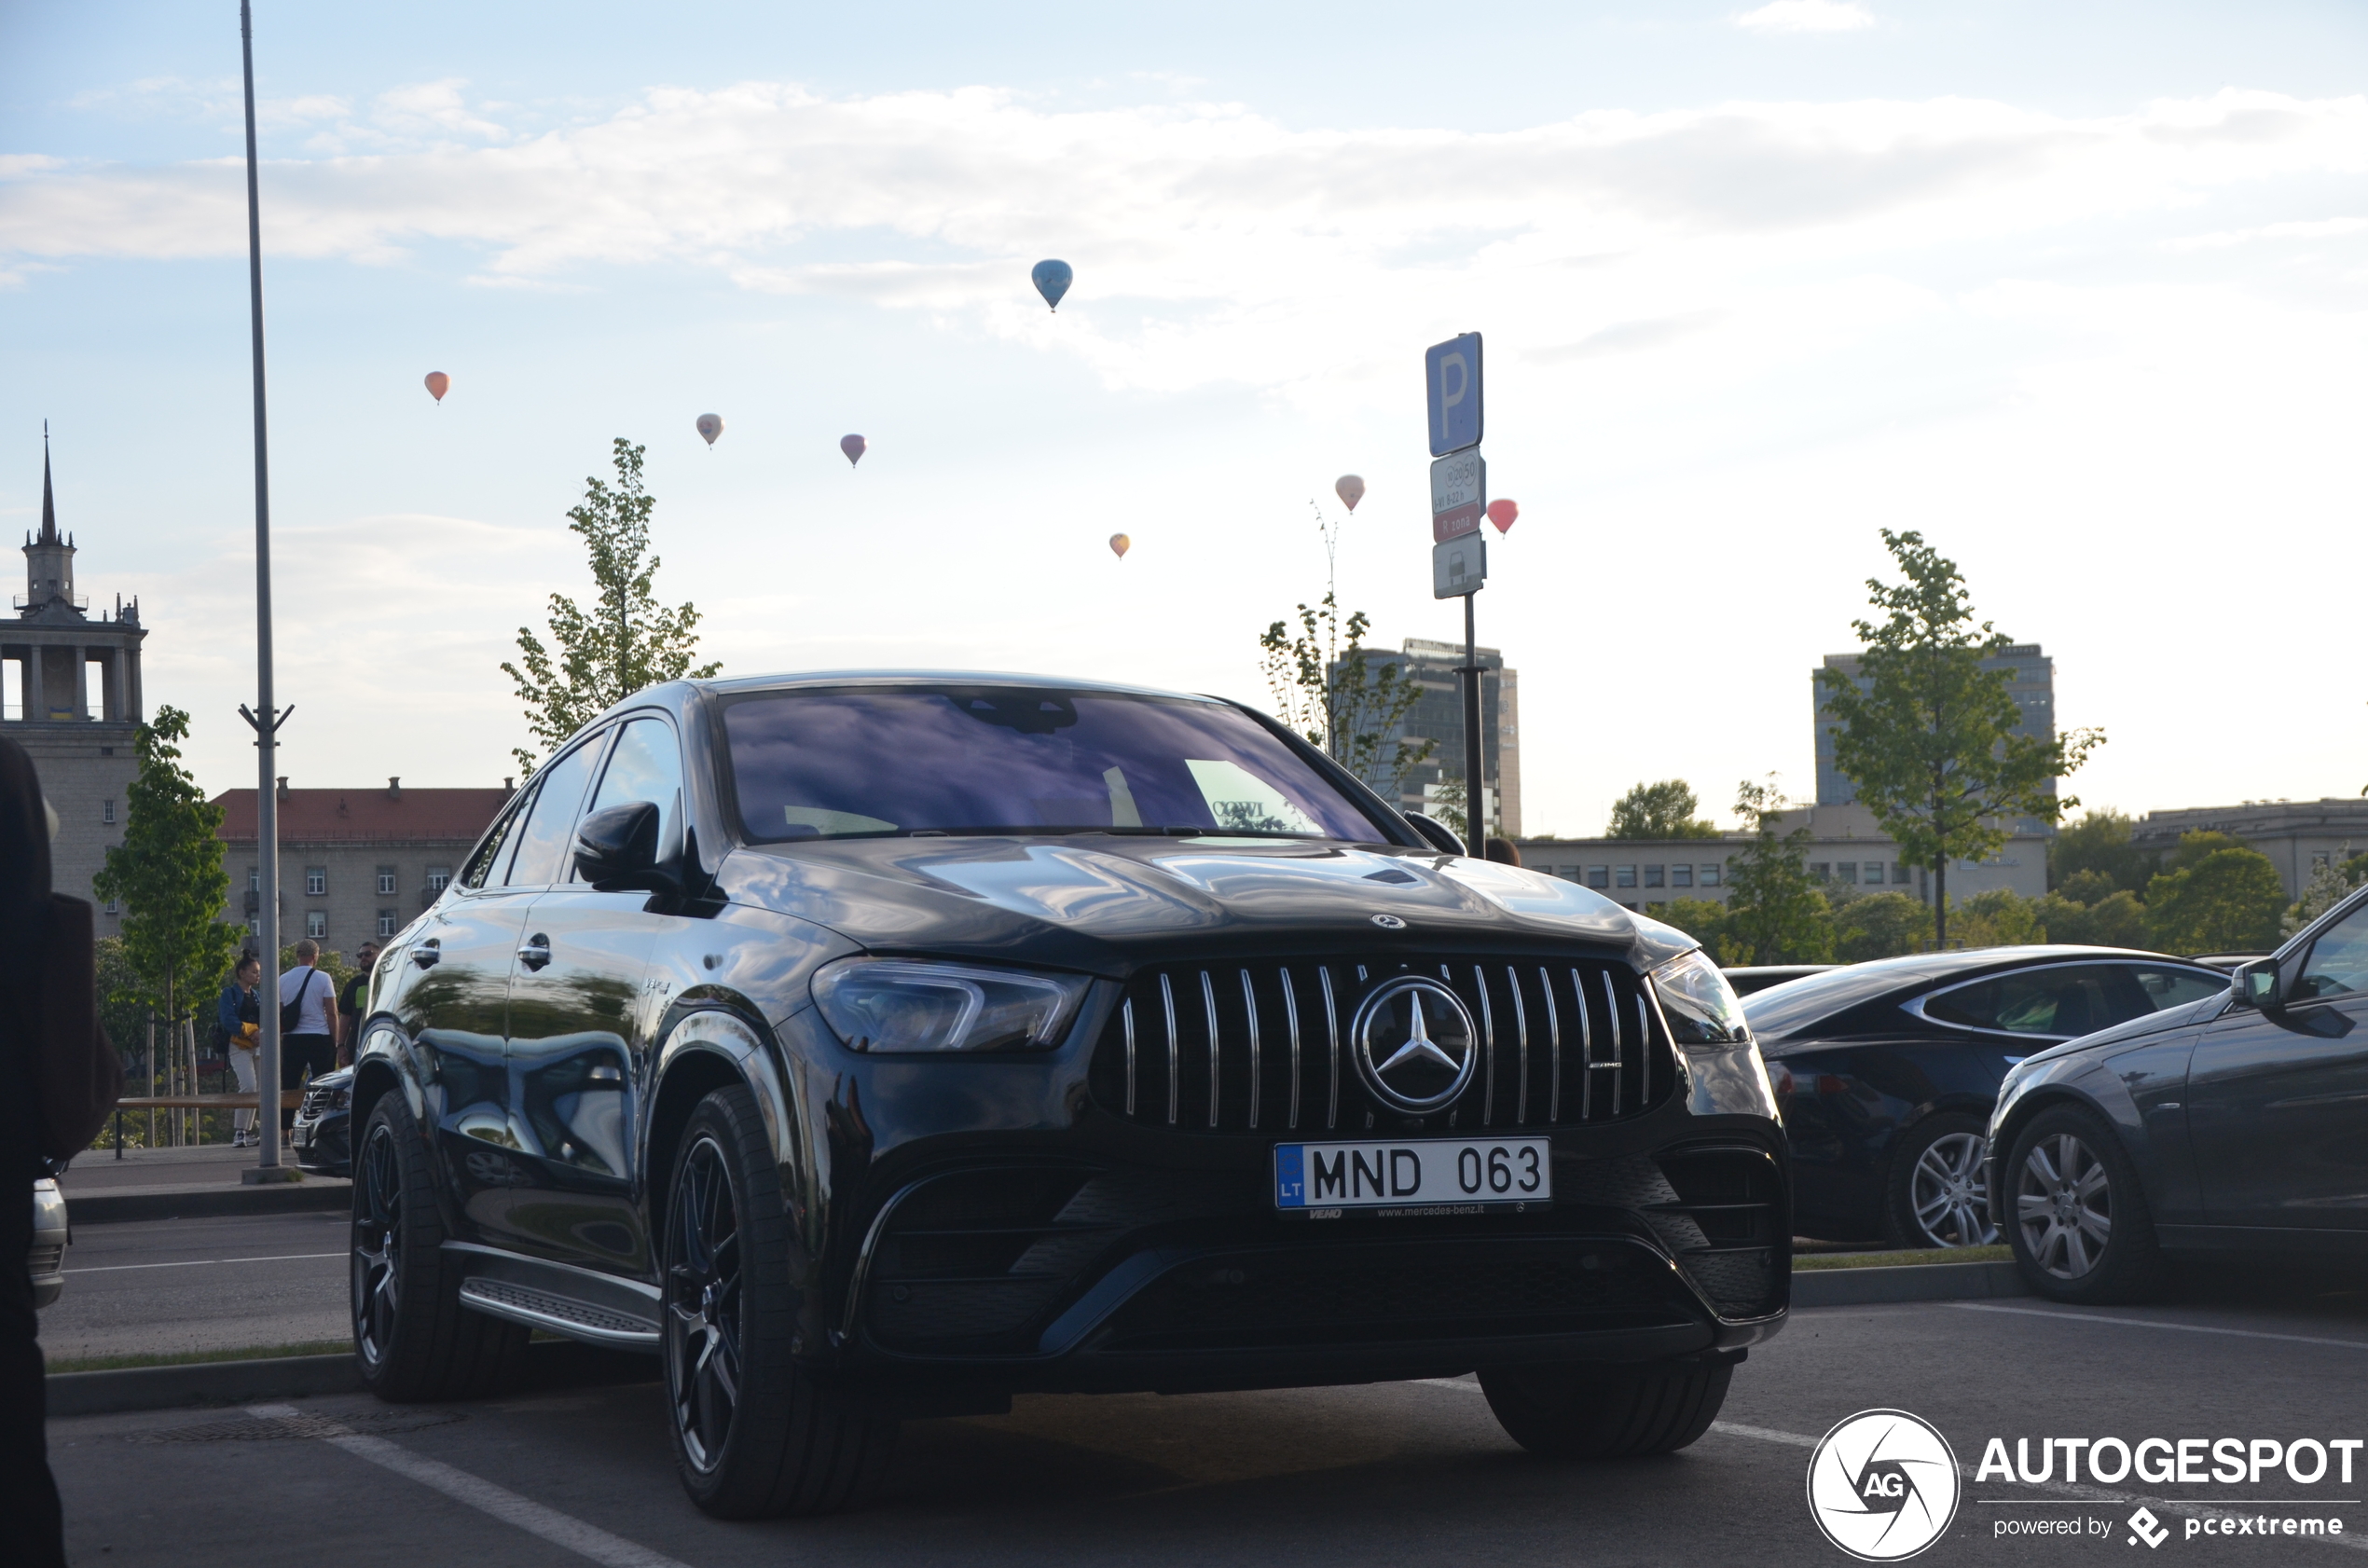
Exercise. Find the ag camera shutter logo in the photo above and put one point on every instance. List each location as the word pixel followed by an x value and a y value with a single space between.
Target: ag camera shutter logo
pixel 1883 1485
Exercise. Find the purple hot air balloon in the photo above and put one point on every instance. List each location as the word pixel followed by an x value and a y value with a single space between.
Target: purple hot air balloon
pixel 854 446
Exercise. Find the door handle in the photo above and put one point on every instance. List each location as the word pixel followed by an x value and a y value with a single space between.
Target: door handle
pixel 426 954
pixel 537 951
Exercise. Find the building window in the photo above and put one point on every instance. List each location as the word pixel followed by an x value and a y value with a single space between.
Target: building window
pixel 316 881
pixel 2318 857
pixel 386 880
pixel 1681 876
pixel 439 877
pixel 1821 870
pixel 1899 874
pixel 106 814
pixel 1623 876
pixel 1710 876
pixel 1848 870
pixel 1654 876
pixel 1874 873
pixel 255 880
pixel 1599 876
pixel 386 923
pixel 316 923
pixel 111 906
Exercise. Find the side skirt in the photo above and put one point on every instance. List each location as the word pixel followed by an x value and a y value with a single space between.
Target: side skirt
pixel 558 1297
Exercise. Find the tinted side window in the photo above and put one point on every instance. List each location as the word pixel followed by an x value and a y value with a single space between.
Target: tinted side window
pixel 645 765
pixel 2066 1000
pixel 2170 988
pixel 2338 964
pixel 543 839
pixel 489 855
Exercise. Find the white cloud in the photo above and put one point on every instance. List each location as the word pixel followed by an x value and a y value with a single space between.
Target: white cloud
pixel 1807 16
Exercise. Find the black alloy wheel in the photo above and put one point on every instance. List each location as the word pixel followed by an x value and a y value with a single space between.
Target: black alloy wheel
pixel 1606 1413
pixel 412 1338
pixel 1939 1194
pixel 756 1434
pixel 2080 1230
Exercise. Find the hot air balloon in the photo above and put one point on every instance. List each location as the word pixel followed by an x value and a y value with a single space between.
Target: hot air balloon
pixel 1502 512
pixel 1349 489
pixel 854 446
pixel 1119 545
pixel 1051 280
pixel 439 384
pixel 711 426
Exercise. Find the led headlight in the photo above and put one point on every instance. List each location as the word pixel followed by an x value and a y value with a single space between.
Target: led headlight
pixel 1701 1006
pixel 910 1004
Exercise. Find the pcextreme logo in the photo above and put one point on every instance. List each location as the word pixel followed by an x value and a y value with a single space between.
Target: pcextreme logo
pixel 1883 1485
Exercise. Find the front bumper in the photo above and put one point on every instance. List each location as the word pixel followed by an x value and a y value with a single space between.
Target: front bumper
pixel 323 1141
pixel 1070 1275
pixel 50 1236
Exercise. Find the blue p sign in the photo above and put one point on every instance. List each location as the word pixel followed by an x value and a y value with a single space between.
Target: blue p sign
pixel 1451 374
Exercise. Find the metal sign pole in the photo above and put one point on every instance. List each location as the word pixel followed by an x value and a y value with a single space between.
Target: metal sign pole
pixel 267 718
pixel 1475 786
pixel 1453 387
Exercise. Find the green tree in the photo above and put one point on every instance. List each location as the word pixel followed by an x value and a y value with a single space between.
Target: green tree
pixel 1776 913
pixel 2098 846
pixel 1929 741
pixel 2086 886
pixel 1328 689
pixel 2115 920
pixel 166 874
pixel 1663 811
pixel 2193 848
pixel 2329 885
pixel 625 641
pixel 1880 926
pixel 2226 901
pixel 1704 919
pixel 2000 917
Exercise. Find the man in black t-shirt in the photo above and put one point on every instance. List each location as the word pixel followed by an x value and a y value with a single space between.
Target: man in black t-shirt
pixel 350 1001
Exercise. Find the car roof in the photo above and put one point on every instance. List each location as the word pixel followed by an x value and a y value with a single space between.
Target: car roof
pixel 1810 1002
pixel 793 679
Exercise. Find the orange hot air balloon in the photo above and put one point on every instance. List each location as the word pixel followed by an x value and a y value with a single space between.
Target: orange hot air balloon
pixel 711 426
pixel 439 384
pixel 1119 545
pixel 1349 489
pixel 1502 512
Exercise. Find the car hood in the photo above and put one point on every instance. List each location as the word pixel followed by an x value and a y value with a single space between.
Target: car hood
pixel 1103 903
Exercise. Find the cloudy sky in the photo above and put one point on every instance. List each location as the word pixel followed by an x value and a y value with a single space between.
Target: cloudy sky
pixel 2076 291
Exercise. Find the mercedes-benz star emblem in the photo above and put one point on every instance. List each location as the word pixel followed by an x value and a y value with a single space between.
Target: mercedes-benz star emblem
pixel 1414 1043
pixel 1389 922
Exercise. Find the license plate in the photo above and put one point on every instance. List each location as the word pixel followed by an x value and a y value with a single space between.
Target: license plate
pixel 1423 1176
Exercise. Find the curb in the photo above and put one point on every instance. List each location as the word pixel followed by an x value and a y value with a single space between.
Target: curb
pixel 206 1203
pixel 549 1364
pixel 204 1382
pixel 1911 1282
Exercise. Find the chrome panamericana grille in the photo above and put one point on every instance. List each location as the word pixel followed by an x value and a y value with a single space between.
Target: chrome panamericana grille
pixel 1264 1047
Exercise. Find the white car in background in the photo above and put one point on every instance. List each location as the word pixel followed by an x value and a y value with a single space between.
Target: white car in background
pixel 49 1238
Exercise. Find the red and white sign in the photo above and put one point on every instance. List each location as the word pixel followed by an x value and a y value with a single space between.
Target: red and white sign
pixel 1459 495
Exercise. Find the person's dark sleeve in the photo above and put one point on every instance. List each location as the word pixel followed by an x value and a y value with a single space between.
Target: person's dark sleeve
pixel 226 1009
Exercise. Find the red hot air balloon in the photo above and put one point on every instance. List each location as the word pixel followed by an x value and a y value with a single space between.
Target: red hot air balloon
pixel 439 384
pixel 1119 545
pixel 854 446
pixel 711 426
pixel 1349 489
pixel 1502 512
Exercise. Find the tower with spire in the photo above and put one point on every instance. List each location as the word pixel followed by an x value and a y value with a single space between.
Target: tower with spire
pixel 70 695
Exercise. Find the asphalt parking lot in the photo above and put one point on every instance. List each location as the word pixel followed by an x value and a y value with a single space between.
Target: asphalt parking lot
pixel 1400 1473
pixel 173 1287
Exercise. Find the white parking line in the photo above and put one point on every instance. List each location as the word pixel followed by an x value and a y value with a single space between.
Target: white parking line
pixel 560 1530
pixel 2151 1323
pixel 2074 1493
pixel 201 1263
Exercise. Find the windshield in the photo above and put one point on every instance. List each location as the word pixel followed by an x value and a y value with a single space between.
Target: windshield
pixel 871 763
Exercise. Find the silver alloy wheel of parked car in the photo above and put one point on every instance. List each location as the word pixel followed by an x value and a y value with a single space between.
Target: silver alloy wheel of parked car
pixel 2064 1203
pixel 703 1305
pixel 1950 1193
pixel 377 1245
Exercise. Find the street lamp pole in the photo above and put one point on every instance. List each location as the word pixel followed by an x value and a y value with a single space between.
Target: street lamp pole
pixel 266 717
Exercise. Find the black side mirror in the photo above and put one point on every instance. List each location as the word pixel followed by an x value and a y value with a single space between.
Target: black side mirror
pixel 2255 985
pixel 1438 834
pixel 616 849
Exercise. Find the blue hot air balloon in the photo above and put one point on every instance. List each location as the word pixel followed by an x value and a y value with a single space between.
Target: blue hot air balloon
pixel 1051 280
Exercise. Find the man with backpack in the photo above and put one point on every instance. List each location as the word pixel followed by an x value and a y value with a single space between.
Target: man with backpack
pixel 307 1023
pixel 236 1034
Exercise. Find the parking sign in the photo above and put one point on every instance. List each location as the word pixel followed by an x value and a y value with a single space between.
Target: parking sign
pixel 1452 372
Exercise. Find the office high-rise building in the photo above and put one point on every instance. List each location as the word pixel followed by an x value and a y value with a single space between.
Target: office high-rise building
pixel 1438 717
pixel 2032 675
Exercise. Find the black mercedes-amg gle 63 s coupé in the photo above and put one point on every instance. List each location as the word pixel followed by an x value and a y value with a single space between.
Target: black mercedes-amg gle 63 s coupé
pixel 882 1045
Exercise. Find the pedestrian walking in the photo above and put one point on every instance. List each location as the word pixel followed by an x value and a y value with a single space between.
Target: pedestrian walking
pixel 237 1023
pixel 29 1512
pixel 351 1001
pixel 307 1023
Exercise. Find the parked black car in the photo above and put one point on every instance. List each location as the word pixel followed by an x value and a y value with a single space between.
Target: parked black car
pixel 872 1045
pixel 1887 1072
pixel 2237 1122
pixel 322 1135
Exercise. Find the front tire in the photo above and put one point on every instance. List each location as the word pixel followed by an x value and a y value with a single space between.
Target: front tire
pixel 2080 1227
pixel 1938 1194
pixel 412 1338
pixel 755 1435
pixel 1606 1413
